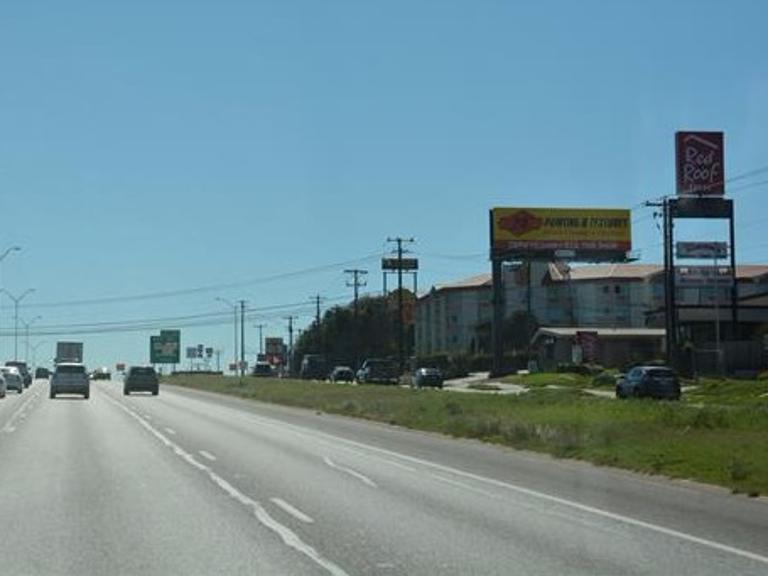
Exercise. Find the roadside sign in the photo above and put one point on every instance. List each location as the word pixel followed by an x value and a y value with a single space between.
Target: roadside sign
pixel 700 164
pixel 165 348
pixel 589 342
pixel 120 367
pixel 399 264
pixel 702 250
pixel 702 276
pixel 191 352
pixel 208 352
pixel 232 366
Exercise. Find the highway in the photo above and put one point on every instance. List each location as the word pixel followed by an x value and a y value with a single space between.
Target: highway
pixel 192 483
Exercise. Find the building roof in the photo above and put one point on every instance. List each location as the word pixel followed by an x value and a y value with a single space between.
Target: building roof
pixel 602 332
pixel 478 281
pixel 558 273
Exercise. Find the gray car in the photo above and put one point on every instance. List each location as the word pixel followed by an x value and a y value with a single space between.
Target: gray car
pixel 424 377
pixel 12 378
pixel 141 379
pixel 649 382
pixel 70 378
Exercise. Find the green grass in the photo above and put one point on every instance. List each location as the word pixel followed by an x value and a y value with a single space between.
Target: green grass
pixel 722 442
pixel 541 379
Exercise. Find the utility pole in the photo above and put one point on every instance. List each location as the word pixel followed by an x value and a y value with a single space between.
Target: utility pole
pixel 2 257
pixel 234 314
pixel 16 300
pixel 290 343
pixel 400 323
pixel 261 337
pixel 318 332
pixel 26 336
pixel 242 338
pixel 356 284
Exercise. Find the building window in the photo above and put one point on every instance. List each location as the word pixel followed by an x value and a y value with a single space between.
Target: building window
pixel 606 289
pixel 617 289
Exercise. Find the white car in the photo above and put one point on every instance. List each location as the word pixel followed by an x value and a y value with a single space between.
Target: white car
pixel 70 378
pixel 12 378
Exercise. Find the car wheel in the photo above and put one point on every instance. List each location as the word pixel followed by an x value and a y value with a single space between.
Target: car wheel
pixel 86 395
pixel 126 392
pixel 52 395
pixel 155 392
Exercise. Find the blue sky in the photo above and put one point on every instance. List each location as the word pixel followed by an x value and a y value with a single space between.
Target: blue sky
pixel 163 146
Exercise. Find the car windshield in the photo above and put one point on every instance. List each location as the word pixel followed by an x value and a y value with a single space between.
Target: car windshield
pixel 70 369
pixel 384 287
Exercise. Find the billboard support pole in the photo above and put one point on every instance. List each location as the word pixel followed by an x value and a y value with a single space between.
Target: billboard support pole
pixel 497 321
pixel 734 286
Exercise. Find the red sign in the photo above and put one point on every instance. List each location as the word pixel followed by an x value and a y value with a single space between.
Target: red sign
pixel 120 367
pixel 700 164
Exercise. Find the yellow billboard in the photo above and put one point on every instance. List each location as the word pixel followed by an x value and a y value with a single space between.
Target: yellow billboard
pixel 585 231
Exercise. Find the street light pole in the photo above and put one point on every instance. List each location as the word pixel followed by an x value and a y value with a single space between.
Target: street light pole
pixel 234 313
pixel 26 337
pixel 2 257
pixel 16 300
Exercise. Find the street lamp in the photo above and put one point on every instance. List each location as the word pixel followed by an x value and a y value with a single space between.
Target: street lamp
pixel 234 311
pixel 16 300
pixel 26 338
pixel 2 257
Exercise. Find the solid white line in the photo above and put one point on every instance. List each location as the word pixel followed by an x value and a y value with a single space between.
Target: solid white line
pixel 17 414
pixel 292 510
pixel 288 537
pixel 207 455
pixel 336 440
pixel 170 431
pixel 363 478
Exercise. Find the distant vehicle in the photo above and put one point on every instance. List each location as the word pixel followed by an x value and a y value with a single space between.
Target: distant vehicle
pixel 313 366
pixel 263 369
pixel 42 373
pixel 101 374
pixel 649 382
pixel 342 374
pixel 70 378
pixel 3 387
pixel 69 352
pixel 427 377
pixel 13 379
pixel 375 370
pixel 141 379
pixel 26 377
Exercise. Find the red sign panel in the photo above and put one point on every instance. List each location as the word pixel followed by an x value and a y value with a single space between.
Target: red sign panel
pixel 700 164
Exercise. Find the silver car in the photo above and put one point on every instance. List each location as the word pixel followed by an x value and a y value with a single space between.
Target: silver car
pixel 12 378
pixel 70 378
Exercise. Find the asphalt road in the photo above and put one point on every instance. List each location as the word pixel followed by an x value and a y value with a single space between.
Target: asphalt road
pixel 191 483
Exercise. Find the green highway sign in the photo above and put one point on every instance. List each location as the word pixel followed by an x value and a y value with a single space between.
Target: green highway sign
pixel 165 349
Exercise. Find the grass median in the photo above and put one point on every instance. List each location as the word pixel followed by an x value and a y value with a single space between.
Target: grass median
pixel 720 443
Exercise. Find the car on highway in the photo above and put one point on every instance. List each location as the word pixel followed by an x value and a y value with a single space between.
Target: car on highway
pixel 42 373
pixel 3 388
pixel 659 382
pixel 101 374
pixel 342 374
pixel 23 370
pixel 262 370
pixel 141 379
pixel 427 377
pixel 378 371
pixel 70 378
pixel 13 379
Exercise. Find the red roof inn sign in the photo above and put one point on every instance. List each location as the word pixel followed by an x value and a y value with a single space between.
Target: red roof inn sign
pixel 699 161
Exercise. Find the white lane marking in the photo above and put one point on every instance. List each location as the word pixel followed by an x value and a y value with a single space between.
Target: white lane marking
pixel 18 413
pixel 170 431
pixel 362 477
pixel 288 536
pixel 292 510
pixel 207 455
pixel 463 485
pixel 336 440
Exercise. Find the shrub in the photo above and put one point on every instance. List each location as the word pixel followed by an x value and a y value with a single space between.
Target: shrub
pixel 604 379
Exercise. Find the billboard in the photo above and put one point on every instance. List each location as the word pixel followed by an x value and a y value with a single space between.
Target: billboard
pixel 700 164
pixel 273 346
pixel 702 250
pixel 587 233
pixel 399 264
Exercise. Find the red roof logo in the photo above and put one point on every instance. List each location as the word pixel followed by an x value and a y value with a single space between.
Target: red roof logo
pixel 520 223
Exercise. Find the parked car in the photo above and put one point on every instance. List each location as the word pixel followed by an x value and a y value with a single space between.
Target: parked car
pixel 262 369
pixel 141 379
pixel 342 374
pixel 375 370
pixel 42 373
pixel 101 374
pixel 313 367
pixel 649 382
pixel 427 377
pixel 3 388
pixel 70 378
pixel 23 370
pixel 13 380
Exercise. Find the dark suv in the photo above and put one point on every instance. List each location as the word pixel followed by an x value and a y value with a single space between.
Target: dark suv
pixel 141 379
pixel 375 370
pixel 649 382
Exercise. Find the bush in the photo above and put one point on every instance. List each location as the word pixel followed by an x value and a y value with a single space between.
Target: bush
pixel 604 379
pixel 582 369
